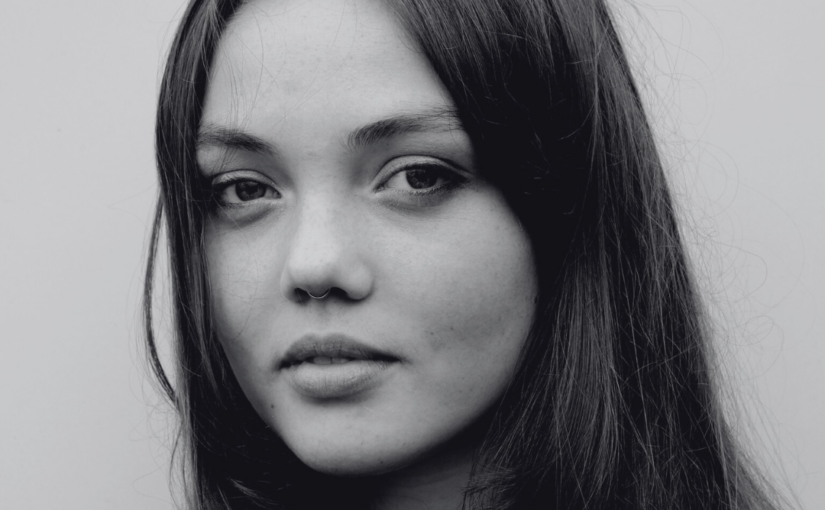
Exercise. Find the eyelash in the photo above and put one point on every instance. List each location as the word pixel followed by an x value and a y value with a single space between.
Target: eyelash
pixel 451 177
pixel 218 185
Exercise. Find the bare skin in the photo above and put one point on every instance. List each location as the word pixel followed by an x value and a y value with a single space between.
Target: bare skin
pixel 423 279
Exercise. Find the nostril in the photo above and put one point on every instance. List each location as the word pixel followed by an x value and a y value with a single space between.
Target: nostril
pixel 319 295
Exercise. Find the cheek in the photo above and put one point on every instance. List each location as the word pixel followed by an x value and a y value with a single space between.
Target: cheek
pixel 475 298
pixel 469 287
pixel 243 284
pixel 479 281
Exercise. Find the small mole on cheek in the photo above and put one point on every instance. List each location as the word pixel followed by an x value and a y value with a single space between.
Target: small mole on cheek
pixel 272 406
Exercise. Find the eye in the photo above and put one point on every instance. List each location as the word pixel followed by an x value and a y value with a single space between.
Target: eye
pixel 422 178
pixel 236 188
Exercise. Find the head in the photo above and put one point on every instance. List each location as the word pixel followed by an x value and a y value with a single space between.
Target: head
pixel 339 168
pixel 473 189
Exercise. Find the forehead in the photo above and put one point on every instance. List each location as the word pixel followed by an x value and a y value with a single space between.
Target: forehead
pixel 317 64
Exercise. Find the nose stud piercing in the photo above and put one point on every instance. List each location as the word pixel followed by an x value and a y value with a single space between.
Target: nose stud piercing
pixel 322 296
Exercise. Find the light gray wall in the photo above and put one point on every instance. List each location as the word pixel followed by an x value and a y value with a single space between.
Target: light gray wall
pixel 736 90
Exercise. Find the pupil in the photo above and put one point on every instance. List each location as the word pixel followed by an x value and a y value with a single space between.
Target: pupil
pixel 249 190
pixel 422 178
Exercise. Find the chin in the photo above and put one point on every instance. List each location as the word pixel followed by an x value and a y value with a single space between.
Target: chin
pixel 338 460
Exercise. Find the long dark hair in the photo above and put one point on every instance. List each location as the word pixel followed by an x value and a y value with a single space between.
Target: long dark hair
pixel 613 404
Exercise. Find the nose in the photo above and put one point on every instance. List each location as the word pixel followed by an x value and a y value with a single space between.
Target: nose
pixel 325 256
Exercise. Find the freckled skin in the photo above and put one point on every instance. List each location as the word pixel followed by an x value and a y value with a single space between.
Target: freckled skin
pixel 445 284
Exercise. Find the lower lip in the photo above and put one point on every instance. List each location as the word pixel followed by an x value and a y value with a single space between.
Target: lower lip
pixel 337 381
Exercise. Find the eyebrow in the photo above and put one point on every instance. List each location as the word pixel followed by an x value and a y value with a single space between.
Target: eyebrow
pixel 231 138
pixel 432 120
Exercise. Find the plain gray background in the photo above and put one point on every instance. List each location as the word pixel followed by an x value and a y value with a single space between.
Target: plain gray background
pixel 735 90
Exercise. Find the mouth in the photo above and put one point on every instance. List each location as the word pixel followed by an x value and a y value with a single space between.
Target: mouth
pixel 331 350
pixel 336 368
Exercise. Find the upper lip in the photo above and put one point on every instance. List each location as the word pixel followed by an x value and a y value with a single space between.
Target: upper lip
pixel 331 346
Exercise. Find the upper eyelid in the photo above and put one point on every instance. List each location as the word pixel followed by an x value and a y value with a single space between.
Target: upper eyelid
pixel 457 170
pixel 241 174
pixel 406 162
pixel 426 160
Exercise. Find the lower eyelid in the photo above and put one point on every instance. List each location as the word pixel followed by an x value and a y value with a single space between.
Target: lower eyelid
pixel 449 184
pixel 430 196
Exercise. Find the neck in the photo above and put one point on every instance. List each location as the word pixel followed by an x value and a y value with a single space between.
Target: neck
pixel 436 483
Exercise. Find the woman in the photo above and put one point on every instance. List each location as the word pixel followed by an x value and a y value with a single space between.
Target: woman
pixel 424 256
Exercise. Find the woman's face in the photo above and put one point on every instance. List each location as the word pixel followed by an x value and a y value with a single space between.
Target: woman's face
pixel 337 166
